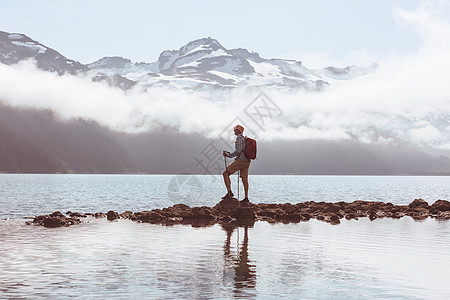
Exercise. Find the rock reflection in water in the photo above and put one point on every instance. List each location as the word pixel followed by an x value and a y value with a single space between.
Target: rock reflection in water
pixel 244 277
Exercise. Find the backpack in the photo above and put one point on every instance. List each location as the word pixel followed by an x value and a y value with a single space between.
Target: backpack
pixel 250 148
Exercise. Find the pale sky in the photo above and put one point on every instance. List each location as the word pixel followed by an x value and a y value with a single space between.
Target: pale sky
pixel 405 98
pixel 319 32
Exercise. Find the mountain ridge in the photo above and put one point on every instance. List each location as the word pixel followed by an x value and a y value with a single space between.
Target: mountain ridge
pixel 199 64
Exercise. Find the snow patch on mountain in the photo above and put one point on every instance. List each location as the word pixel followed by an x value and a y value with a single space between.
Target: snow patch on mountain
pixel 40 49
pixel 15 36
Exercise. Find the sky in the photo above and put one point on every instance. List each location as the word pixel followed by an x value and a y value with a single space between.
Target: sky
pixel 319 32
pixel 406 99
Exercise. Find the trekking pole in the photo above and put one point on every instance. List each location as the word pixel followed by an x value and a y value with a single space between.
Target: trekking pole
pixel 239 171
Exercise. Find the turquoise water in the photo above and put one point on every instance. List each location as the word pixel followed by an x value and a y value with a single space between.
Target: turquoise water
pixel 358 259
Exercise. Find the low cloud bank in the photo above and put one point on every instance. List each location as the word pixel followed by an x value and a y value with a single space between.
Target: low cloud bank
pixel 407 99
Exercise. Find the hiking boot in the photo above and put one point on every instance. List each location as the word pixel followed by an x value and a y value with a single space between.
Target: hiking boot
pixel 228 195
pixel 245 200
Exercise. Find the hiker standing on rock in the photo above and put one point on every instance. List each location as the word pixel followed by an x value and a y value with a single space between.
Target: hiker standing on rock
pixel 241 163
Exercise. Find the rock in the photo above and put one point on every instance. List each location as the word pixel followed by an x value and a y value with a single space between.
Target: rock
pixel 397 215
pixel 54 222
pixel 334 219
pixel 186 214
pixel 441 205
pixel 181 206
pixel 57 214
pixel 243 213
pixel 203 213
pixel 150 217
pixel 358 205
pixel 418 203
pixel 306 217
pixel 99 215
pixel 39 219
pixel 300 205
pixel 294 218
pixel 331 208
pixel 271 213
pixel 351 216
pixel 443 216
pixel 112 215
pixel 227 204
pixel 157 217
pixel 234 211
pixel 418 217
pixel 73 221
pixel 127 215
pixel 76 215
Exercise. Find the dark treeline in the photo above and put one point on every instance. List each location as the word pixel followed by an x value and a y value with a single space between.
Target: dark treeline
pixel 20 156
pixel 75 146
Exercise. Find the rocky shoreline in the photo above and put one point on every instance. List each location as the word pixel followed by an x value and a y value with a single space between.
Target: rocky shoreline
pixel 234 211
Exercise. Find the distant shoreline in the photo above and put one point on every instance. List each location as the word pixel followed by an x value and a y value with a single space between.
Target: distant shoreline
pixel 279 174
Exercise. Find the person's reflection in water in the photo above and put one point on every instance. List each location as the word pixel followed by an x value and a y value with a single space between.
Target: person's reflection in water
pixel 244 278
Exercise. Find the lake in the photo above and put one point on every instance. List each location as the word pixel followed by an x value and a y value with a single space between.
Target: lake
pixel 357 259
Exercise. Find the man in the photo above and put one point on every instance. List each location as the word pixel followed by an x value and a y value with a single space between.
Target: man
pixel 241 163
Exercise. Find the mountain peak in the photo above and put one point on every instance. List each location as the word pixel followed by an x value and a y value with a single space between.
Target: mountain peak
pixel 110 62
pixel 196 47
pixel 201 44
pixel 244 53
pixel 15 47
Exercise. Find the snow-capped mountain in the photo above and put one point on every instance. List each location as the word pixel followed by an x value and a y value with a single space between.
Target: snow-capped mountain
pixel 15 47
pixel 200 64
pixel 206 63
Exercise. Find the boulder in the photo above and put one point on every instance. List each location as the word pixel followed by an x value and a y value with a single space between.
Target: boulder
pixel 334 219
pixel 53 222
pixel 203 213
pixel 57 214
pixel 112 215
pixel 227 204
pixel 76 215
pixel 243 213
pixel 175 211
pixel 441 205
pixel 181 206
pixel 418 203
